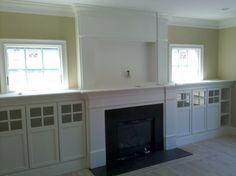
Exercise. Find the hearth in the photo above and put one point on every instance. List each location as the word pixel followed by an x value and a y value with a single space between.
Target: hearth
pixel 134 139
pixel 133 132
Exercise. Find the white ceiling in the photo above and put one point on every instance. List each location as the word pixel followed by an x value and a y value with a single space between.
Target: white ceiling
pixel 202 9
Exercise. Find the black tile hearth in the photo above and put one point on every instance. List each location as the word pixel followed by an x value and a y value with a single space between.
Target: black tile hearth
pixel 139 162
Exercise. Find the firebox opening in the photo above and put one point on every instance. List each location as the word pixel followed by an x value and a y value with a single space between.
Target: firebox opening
pixel 133 131
pixel 135 137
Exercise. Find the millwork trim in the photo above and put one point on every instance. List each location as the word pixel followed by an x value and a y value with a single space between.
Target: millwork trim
pixel 36 8
pixel 30 7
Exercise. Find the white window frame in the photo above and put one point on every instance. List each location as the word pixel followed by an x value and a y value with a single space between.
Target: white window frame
pixel 171 46
pixel 30 42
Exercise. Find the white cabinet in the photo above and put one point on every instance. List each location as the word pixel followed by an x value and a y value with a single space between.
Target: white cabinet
pixel 42 134
pixel 13 145
pixel 36 135
pixel 225 106
pixel 213 109
pixel 183 113
pixel 198 111
pixel 72 130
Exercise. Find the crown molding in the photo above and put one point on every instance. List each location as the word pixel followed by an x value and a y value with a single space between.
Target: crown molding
pixel 29 7
pixel 192 22
pixel 36 8
pixel 227 23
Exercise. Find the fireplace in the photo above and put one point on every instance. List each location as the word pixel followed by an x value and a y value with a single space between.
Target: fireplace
pixel 133 132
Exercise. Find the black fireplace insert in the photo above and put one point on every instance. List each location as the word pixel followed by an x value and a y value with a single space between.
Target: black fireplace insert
pixel 133 131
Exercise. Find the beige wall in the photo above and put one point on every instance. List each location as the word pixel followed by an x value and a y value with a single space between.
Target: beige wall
pixel 227 61
pixel 227 53
pixel 206 37
pixel 28 26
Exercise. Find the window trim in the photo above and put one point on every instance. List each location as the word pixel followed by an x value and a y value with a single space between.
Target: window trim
pixel 14 42
pixel 171 46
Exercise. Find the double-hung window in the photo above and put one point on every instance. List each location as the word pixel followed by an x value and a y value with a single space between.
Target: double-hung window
pixel 185 63
pixel 33 65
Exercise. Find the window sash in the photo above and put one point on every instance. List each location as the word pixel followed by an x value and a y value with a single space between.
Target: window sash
pixel 42 45
pixel 198 74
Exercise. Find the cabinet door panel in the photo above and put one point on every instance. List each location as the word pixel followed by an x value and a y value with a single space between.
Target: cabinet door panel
pixel 43 147
pixel 73 142
pixel 13 145
pixel 72 130
pixel 213 117
pixel 42 134
pixel 183 122
pixel 12 153
pixel 198 119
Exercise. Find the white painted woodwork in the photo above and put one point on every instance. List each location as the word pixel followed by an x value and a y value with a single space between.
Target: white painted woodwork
pixel 213 109
pixel 170 117
pixel 202 120
pixel 40 144
pixel 106 62
pixel 225 109
pixel 199 110
pixel 13 142
pixel 199 119
pixel 182 125
pixel 42 138
pixel 213 117
pixel 121 24
pixel 162 48
pixel 184 121
pixel 112 42
pixel 72 131
pixel 98 102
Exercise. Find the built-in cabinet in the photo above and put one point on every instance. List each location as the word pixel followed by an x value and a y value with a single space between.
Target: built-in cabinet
pixel 225 106
pixel 198 110
pixel 36 135
pixel 213 109
pixel 72 130
pixel 202 109
pixel 184 113
pixel 42 134
pixel 13 141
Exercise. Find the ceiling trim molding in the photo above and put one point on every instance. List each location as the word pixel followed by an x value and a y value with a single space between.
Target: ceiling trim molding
pixel 36 8
pixel 192 22
pixel 227 23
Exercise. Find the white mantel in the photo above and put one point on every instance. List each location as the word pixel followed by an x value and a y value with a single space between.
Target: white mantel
pixel 99 101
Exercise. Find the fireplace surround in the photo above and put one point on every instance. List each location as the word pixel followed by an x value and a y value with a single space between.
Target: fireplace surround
pixel 133 131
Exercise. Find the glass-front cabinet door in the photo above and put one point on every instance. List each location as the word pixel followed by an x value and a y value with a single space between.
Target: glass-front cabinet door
pixel 199 111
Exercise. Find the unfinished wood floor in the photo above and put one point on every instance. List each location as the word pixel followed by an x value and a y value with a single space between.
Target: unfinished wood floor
pixel 215 157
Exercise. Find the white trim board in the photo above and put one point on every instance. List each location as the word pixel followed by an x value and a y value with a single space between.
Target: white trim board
pixel 36 8
pixel 201 23
pixel 191 22
pixel 68 11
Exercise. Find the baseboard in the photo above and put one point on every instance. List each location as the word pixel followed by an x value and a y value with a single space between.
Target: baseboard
pixel 185 140
pixel 53 170
pixel 230 130
pixel 97 158
pixel 170 142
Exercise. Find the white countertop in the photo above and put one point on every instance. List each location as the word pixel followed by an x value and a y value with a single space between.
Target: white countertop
pixel 149 85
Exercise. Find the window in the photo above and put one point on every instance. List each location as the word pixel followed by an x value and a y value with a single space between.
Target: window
pixel 186 63
pixel 31 65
